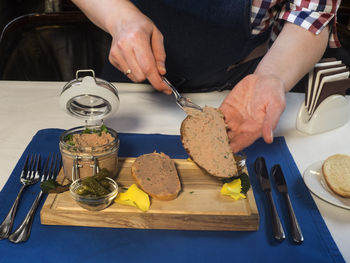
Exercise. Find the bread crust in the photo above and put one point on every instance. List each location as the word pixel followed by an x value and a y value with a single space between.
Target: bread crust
pixel 156 174
pixel 336 172
pixel 205 165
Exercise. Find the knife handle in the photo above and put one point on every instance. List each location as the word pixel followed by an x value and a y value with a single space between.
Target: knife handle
pixel 277 228
pixel 296 231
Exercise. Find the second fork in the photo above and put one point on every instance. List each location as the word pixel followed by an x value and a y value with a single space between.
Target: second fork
pixel 50 171
pixel 30 175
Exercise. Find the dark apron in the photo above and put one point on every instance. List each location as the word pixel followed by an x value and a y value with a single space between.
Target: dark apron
pixel 202 39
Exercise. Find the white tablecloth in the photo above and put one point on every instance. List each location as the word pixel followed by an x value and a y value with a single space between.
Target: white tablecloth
pixel 26 107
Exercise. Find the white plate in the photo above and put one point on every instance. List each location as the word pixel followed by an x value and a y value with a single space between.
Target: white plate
pixel 313 178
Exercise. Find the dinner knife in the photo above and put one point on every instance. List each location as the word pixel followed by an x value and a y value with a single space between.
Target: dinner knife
pixel 263 177
pixel 282 188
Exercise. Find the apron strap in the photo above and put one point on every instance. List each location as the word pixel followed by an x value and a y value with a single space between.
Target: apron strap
pixel 257 52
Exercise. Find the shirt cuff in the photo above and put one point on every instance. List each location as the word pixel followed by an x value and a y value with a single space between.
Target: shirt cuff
pixel 312 21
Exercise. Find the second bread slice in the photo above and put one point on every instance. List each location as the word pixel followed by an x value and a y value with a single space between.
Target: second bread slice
pixel 156 174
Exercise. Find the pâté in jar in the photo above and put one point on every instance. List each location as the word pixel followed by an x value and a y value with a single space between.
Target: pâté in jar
pixel 87 149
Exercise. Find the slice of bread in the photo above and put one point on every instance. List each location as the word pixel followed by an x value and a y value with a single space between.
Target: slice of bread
pixel 336 171
pixel 156 174
pixel 204 137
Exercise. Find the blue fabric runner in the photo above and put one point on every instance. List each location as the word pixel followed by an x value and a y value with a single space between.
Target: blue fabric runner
pixel 88 244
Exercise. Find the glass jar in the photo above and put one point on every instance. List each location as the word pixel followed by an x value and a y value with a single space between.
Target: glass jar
pixel 90 99
pixel 84 161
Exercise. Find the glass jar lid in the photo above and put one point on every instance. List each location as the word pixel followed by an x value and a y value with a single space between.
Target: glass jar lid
pixel 89 98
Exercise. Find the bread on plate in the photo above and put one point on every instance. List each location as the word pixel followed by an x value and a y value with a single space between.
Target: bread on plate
pixel 336 172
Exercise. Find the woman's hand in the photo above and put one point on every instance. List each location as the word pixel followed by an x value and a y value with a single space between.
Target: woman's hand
pixel 254 106
pixel 137 46
pixel 252 110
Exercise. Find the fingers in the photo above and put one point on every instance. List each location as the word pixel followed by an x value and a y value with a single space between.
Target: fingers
pixel 245 133
pixel 272 116
pixel 116 59
pixel 241 141
pixel 141 60
pixel 130 67
pixel 122 56
pixel 151 60
pixel 267 132
pixel 158 50
pixel 148 65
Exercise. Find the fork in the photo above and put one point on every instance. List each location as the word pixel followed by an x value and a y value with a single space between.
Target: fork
pixel 50 171
pixel 183 102
pixel 30 175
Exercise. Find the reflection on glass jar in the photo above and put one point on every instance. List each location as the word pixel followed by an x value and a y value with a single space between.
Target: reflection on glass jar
pixel 87 149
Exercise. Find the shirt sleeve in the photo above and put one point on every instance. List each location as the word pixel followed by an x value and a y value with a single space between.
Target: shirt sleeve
pixel 313 15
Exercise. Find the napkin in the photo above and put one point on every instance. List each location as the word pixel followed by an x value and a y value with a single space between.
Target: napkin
pixel 98 244
pixel 328 77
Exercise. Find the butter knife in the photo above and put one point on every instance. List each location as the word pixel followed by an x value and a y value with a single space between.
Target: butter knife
pixel 282 188
pixel 263 177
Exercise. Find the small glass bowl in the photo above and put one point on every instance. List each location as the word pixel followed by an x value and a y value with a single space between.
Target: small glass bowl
pixel 94 203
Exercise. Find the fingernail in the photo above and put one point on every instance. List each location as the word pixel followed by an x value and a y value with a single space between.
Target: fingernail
pixel 161 68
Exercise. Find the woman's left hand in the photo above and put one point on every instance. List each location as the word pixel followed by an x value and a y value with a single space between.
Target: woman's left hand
pixel 252 109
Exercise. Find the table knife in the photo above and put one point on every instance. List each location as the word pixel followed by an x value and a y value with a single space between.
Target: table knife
pixel 263 177
pixel 282 188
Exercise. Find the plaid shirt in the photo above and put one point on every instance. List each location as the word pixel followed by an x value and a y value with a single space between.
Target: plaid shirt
pixel 313 15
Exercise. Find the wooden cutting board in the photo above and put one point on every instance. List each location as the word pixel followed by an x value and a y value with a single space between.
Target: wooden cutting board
pixel 199 206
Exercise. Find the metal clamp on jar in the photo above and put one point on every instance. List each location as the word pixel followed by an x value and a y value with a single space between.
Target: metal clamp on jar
pixel 87 149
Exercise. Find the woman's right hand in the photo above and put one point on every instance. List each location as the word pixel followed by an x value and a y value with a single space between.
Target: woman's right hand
pixel 137 46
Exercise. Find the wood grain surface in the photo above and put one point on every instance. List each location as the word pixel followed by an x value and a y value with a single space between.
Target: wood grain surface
pixel 199 206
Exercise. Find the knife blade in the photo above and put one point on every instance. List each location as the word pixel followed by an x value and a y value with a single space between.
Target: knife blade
pixel 263 177
pixel 281 184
